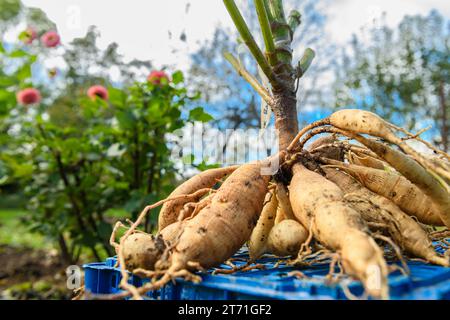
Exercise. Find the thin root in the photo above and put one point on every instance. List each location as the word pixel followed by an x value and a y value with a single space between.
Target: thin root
pixel 244 268
pixel 313 125
pixel 396 249
pixel 305 249
pixel 79 293
pixel 416 137
pixel 396 267
pixel 349 295
pixel 329 278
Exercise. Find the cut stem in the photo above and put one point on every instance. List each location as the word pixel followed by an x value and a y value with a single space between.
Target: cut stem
pixel 305 61
pixel 248 39
pixel 265 95
pixel 281 33
pixel 294 21
pixel 266 31
pixel 269 14
pixel 276 8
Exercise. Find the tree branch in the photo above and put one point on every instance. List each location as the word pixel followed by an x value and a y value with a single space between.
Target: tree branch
pixel 136 158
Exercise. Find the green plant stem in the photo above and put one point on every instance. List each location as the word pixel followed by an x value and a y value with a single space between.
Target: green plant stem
pixel 66 256
pixel 283 102
pixel 249 78
pixel 276 8
pixel 90 216
pixel 151 173
pixel 248 39
pixel 65 180
pixel 294 21
pixel 75 205
pixel 68 187
pixel 266 31
pixel 305 61
pixel 151 178
pixel 269 14
pixel 281 34
pixel 136 158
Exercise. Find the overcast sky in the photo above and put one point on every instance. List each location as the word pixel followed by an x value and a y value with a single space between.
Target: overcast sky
pixel 141 27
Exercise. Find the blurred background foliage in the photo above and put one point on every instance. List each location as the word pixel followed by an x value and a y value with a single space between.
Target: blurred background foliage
pixel 402 74
pixel 77 164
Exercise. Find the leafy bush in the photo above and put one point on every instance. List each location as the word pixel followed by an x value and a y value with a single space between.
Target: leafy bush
pixel 114 155
pixel 80 156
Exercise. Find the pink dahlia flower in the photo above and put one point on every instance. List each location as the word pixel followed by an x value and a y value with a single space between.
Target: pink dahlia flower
pixel 28 96
pixel 155 77
pixel 98 91
pixel 51 39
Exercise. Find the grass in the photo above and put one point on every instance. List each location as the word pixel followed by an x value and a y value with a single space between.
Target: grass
pixel 14 233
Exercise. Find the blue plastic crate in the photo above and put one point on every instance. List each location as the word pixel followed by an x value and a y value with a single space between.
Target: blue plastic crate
pixel 424 282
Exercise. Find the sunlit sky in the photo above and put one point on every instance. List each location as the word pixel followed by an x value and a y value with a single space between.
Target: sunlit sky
pixel 141 27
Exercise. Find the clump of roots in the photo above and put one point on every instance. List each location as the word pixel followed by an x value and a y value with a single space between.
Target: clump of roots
pixel 380 223
pixel 158 271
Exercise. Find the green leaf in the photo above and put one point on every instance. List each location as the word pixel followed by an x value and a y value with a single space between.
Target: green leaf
pixel 6 95
pixel 32 58
pixel 7 82
pixel 23 170
pixel 204 166
pixel 198 114
pixel 18 54
pixel 126 119
pixel 134 203
pixel 87 239
pixel 174 113
pixel 104 229
pixel 24 72
pixel 154 110
pixel 23 36
pixel 116 96
pixel 177 77
pixel 3 179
